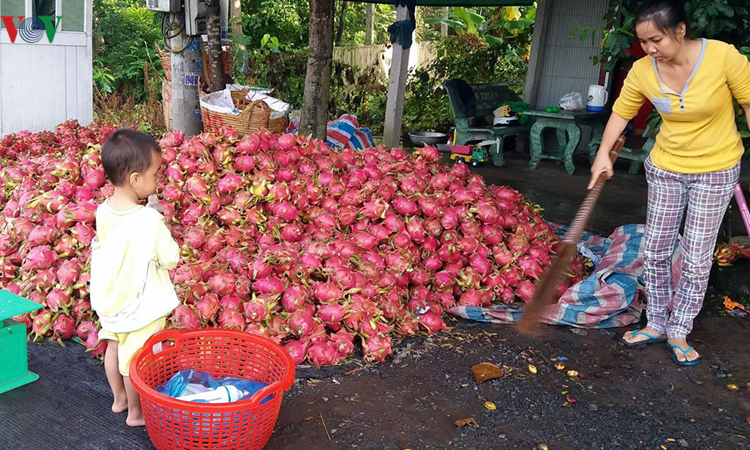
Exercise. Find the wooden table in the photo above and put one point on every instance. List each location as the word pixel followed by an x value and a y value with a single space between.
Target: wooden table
pixel 568 127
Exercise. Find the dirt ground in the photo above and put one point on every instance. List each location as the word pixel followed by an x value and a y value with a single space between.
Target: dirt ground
pixel 622 397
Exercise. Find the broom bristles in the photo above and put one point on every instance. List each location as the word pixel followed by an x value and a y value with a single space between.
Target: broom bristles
pixel 545 290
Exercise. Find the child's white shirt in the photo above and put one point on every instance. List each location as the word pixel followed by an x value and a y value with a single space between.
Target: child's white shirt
pixel 130 259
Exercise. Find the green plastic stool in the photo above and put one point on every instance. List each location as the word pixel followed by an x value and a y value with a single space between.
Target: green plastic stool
pixel 14 362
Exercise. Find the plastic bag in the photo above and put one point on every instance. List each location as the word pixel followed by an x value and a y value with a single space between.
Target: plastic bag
pixel 178 384
pixel 153 203
pixel 572 101
pixel 187 382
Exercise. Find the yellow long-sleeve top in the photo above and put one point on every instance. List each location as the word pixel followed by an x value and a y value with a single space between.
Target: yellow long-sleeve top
pixel 699 133
pixel 130 259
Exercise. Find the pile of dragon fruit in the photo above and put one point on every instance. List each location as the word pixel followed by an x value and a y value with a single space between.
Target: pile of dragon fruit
pixel 321 250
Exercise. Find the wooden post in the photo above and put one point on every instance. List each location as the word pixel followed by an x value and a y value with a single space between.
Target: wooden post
pixel 444 27
pixel 314 115
pixel 369 24
pixel 538 43
pixel 394 109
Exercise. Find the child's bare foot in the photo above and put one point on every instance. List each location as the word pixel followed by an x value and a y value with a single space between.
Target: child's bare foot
pixel 135 421
pixel 120 406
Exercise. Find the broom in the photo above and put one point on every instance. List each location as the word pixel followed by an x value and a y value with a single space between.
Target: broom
pixel 545 288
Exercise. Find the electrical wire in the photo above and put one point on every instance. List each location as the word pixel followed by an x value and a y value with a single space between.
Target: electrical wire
pixel 170 22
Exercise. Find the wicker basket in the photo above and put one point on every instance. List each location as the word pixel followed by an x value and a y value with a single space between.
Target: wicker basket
pixel 166 63
pixel 254 116
pixel 166 101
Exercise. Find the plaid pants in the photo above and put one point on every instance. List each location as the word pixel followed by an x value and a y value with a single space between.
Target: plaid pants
pixel 706 197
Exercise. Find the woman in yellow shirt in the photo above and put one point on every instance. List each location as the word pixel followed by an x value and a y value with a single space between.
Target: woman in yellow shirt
pixel 692 168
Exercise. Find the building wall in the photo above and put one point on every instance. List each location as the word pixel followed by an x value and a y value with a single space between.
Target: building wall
pixel 420 55
pixel 44 85
pixel 566 65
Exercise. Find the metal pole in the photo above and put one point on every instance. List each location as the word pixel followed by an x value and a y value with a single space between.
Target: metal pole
pixel 186 69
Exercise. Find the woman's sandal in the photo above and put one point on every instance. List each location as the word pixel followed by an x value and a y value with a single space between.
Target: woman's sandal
pixel 650 340
pixel 671 348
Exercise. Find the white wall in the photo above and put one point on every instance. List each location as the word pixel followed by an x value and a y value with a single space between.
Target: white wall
pixel 44 84
pixel 566 64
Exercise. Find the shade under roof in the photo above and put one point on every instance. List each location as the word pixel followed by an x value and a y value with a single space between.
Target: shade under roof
pixel 458 2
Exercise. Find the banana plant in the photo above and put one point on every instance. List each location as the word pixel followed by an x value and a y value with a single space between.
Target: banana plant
pixel 511 22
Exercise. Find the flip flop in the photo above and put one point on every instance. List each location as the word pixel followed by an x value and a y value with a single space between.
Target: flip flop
pixel 671 348
pixel 650 340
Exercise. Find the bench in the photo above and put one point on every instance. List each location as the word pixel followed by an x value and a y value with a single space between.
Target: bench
pixel 479 126
pixel 637 156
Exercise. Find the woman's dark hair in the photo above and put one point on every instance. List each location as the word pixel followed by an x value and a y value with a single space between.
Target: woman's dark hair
pixel 666 15
pixel 125 152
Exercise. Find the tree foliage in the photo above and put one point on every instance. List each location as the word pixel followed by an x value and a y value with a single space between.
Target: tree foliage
pixel 125 33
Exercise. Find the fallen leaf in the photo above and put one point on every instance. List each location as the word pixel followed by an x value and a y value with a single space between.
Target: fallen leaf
pixel 532 368
pixel 542 447
pixel 671 440
pixel 560 366
pixel 490 406
pixel 663 447
pixel 486 371
pixel 570 399
pixel 733 387
pixel 469 421
pixel 572 373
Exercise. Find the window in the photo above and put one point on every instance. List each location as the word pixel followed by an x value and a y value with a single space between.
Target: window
pixel 44 8
pixel 73 12
pixel 12 8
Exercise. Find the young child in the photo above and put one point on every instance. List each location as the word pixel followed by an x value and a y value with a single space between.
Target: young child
pixel 133 250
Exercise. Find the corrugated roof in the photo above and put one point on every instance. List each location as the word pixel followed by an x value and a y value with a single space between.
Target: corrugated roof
pixel 458 2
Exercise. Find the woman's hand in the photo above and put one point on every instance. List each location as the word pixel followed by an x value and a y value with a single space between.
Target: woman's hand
pixel 602 164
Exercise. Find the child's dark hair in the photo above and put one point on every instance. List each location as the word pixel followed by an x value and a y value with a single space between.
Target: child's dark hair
pixel 666 15
pixel 125 152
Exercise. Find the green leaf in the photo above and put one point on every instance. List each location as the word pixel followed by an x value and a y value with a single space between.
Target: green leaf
pixel 531 13
pixel 745 134
pixel 468 23
pixel 495 26
pixel 725 9
pixel 459 27
pixel 476 18
pixel 492 40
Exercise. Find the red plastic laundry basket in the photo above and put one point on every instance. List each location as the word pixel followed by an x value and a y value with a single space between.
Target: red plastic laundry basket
pixel 175 424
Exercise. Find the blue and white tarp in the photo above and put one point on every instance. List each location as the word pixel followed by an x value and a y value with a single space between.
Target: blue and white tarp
pixel 612 296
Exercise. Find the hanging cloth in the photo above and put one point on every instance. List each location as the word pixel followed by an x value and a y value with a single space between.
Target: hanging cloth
pixel 402 30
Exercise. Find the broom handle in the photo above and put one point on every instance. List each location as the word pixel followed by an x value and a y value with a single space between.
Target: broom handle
pixel 544 295
pixel 578 226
